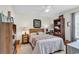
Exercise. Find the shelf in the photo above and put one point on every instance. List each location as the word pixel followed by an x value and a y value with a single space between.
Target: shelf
pixel 59 27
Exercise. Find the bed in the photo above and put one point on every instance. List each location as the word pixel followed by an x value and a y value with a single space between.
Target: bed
pixel 44 43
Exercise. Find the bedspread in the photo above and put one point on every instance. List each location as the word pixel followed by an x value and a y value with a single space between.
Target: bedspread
pixel 44 44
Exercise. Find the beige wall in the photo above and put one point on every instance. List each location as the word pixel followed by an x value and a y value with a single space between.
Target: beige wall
pixel 27 21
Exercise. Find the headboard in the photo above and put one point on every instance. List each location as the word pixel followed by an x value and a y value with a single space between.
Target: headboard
pixel 36 30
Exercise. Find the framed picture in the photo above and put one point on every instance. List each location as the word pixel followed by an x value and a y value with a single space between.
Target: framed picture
pixel 36 23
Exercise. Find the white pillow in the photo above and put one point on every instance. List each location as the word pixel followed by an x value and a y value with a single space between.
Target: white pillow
pixel 33 34
pixel 41 33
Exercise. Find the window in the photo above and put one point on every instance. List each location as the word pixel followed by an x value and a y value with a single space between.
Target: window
pixel 77 25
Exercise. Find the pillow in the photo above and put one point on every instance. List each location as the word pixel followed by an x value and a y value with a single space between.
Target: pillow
pixel 33 34
pixel 41 33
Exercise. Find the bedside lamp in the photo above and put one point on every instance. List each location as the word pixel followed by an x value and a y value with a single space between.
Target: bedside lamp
pixel 46 28
pixel 25 30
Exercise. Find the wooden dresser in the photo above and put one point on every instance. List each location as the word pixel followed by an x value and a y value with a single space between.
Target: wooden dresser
pixel 6 38
pixel 25 38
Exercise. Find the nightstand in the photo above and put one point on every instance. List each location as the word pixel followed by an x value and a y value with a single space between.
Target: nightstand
pixel 25 38
pixel 66 42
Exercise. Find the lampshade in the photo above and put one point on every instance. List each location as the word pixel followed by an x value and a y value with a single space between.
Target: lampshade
pixel 45 26
pixel 25 30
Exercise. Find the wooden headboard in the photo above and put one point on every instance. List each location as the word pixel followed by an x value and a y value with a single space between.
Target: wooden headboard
pixel 34 30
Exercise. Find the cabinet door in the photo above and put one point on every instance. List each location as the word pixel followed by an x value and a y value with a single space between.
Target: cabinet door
pixel 8 37
pixel 5 38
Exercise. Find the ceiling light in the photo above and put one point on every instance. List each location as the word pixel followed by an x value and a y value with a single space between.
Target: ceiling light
pixel 47 10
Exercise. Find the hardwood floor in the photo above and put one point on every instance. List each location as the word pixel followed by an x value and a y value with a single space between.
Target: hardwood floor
pixel 24 49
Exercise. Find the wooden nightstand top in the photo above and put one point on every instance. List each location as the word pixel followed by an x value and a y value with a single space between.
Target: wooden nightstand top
pixel 67 42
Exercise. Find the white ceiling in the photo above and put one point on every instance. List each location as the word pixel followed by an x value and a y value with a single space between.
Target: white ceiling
pixel 39 10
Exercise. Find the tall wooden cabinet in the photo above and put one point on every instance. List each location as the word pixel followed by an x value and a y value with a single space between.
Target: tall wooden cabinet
pixel 59 27
pixel 6 38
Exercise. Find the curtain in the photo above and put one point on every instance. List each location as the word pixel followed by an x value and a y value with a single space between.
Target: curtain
pixel 73 28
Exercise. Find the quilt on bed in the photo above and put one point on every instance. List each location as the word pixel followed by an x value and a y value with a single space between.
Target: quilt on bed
pixel 44 44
